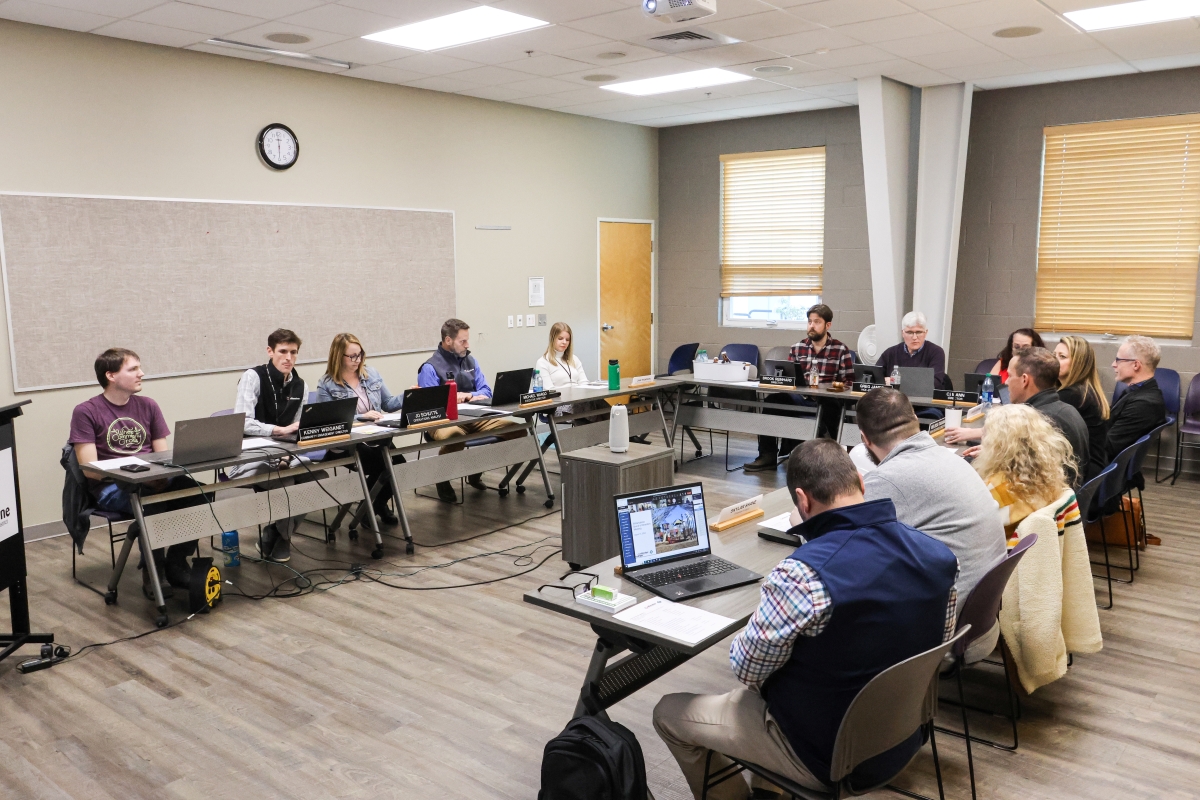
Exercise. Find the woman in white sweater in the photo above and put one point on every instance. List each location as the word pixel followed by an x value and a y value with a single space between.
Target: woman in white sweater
pixel 559 366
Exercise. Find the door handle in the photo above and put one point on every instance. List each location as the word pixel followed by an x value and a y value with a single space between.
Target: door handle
pixel 606 327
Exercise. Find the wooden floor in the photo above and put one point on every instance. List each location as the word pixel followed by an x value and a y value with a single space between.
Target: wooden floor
pixel 361 690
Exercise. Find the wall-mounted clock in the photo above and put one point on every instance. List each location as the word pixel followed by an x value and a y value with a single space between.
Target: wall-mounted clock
pixel 278 146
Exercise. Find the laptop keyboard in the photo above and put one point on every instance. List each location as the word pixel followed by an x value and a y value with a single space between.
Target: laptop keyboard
pixel 701 569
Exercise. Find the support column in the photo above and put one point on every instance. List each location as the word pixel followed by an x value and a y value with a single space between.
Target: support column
pixel 945 124
pixel 884 112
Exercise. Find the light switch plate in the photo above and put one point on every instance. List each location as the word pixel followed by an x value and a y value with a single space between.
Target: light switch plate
pixel 541 320
pixel 520 321
pixel 529 320
pixel 510 320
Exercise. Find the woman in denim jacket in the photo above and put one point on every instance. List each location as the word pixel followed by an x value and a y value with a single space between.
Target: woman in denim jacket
pixel 347 375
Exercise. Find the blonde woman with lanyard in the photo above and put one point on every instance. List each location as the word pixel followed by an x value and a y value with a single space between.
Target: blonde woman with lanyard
pixel 347 375
pixel 560 368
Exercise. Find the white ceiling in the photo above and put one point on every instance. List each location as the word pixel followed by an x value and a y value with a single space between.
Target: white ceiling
pixel 919 42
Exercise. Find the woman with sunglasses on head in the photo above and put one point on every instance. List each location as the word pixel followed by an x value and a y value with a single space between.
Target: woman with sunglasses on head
pixel 347 375
pixel 1079 386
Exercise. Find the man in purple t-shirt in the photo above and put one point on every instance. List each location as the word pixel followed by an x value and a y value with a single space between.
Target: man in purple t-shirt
pixel 119 423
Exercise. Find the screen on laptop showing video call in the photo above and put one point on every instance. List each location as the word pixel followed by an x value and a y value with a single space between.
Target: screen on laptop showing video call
pixel 662 524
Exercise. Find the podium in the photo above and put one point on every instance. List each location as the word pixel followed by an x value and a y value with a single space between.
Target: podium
pixel 12 540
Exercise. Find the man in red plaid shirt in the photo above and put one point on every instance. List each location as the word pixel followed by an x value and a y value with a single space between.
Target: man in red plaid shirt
pixel 832 361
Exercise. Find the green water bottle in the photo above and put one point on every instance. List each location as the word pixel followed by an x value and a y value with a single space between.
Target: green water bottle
pixel 614 375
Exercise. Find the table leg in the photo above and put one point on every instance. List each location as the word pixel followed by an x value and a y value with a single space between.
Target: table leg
pixel 370 512
pixel 604 686
pixel 663 419
pixel 110 596
pixel 409 547
pixel 541 463
pixel 531 465
pixel 148 560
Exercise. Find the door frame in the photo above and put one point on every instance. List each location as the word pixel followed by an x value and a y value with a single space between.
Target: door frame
pixel 600 370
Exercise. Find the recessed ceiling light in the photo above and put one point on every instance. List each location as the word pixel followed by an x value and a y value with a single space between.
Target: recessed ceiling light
pixel 288 38
pixel 1018 32
pixel 472 25
pixel 678 82
pixel 773 69
pixel 609 56
pixel 1124 15
pixel 599 78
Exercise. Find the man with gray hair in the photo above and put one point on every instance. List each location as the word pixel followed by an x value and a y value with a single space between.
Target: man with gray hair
pixel 1141 409
pixel 915 351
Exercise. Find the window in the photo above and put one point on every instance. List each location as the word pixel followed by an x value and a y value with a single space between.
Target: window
pixel 772 236
pixel 1120 230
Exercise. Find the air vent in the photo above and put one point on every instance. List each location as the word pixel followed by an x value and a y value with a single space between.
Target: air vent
pixel 679 3
pixel 690 39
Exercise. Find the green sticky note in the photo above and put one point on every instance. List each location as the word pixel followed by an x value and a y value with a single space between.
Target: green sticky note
pixel 604 593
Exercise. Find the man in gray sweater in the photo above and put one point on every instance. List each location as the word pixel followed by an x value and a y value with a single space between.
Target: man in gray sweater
pixel 933 490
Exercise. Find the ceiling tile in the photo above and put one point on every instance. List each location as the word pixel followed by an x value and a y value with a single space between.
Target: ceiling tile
pixel 591 94
pixel 1084 58
pixel 442 83
pixel 930 43
pixel 258 34
pixel 1007 81
pixel 901 27
pixel 406 11
pixel 67 18
pixel 377 72
pixel 628 25
pixel 592 54
pixel 961 58
pixel 889 68
pixel 847 89
pixel 654 67
pixel 798 44
pixel 153 34
pixel 923 77
pixel 109 8
pixel 542 86
pixel 543 101
pixel 1168 62
pixel 806 80
pixel 501 93
pixel 730 9
pixel 845 12
pixel 1001 13
pixel 553 39
pixel 430 63
pixel 1098 71
pixel 560 10
pixel 547 66
pixel 311 66
pixel 337 18
pixel 752 100
pixel 926 5
pixel 614 104
pixel 1152 41
pixel 759 26
pixel 792 107
pixel 355 49
pixel 491 76
pixel 977 72
pixel 197 18
pixel 267 9
pixel 730 55
pixel 1060 38
pixel 847 56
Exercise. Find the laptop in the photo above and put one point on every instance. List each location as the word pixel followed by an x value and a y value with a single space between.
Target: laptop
pixel 665 547
pixel 331 412
pixel 198 441
pixel 509 387
pixel 868 373
pixel 780 369
pixel 916 381
pixel 973 382
pixel 416 400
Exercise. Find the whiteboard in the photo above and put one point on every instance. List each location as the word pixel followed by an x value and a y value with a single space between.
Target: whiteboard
pixel 195 286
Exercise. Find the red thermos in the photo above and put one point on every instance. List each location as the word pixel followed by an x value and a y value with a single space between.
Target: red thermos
pixel 452 403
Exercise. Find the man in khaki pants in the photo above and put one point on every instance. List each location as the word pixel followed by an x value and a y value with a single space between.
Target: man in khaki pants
pixel 452 361
pixel 863 594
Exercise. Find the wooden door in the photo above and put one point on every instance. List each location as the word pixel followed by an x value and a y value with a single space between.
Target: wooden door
pixel 625 297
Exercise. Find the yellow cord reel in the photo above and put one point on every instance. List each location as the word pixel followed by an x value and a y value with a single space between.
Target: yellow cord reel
pixel 204 589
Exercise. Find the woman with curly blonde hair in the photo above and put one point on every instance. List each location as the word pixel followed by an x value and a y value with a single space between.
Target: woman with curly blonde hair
pixel 1024 460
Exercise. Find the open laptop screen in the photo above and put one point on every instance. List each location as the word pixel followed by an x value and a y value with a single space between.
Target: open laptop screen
pixel 662 525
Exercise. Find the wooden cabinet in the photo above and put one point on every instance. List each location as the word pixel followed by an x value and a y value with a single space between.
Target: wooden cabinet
pixel 590 478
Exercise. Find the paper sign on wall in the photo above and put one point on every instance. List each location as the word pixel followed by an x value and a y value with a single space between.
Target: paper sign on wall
pixel 537 292
pixel 8 496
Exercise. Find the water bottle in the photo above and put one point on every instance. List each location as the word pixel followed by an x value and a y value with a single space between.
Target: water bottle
pixel 614 375
pixel 702 356
pixel 229 546
pixel 987 390
pixel 896 377
pixel 452 400
pixel 537 380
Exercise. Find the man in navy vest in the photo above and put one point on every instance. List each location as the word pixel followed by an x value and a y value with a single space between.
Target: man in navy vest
pixel 452 361
pixel 863 594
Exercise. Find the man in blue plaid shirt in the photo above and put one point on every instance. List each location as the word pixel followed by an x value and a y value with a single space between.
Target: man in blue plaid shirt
pixel 863 593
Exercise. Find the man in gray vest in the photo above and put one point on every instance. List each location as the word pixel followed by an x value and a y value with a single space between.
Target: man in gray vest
pixel 452 361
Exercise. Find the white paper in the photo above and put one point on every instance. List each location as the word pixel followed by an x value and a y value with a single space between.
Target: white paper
pixel 392 415
pixel 371 429
pixel 596 384
pixel 8 496
pixel 781 523
pixel 117 463
pixel 258 442
pixel 674 620
pixel 537 292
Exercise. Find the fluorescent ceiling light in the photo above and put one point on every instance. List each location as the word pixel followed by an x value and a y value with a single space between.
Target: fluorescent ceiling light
pixel 677 83
pixel 473 25
pixel 1124 15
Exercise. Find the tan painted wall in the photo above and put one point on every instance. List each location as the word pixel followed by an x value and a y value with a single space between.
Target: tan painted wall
pixel 87 114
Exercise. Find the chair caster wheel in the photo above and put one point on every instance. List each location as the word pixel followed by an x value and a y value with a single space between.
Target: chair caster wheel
pixel 549 503
pixel 353 534
pixel 110 598
pixel 520 490
pixel 160 621
pixel 377 552
pixel 410 548
pixel 503 492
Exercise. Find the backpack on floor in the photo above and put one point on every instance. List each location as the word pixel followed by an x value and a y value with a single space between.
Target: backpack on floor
pixel 593 759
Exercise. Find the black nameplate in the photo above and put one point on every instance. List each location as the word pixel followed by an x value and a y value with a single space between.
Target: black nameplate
pixel 934 427
pixel 537 397
pixel 956 397
pixel 324 431
pixel 865 387
pixel 428 415
pixel 777 380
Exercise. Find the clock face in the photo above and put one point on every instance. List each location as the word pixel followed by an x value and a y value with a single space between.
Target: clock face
pixel 278 146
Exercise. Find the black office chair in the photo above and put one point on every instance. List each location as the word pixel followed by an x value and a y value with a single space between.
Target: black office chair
pixel 78 518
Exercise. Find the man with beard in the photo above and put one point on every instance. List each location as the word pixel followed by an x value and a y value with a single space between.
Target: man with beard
pixel 933 490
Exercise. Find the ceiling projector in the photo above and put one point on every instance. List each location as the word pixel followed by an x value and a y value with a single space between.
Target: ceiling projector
pixel 679 10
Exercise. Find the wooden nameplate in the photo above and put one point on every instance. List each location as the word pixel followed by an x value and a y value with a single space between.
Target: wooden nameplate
pixel 430 424
pixel 738 520
pixel 325 440
pixel 633 385
pixel 535 405
pixel 972 419
pixel 938 433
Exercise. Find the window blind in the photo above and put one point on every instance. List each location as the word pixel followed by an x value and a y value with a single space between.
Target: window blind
pixel 1120 229
pixel 772 222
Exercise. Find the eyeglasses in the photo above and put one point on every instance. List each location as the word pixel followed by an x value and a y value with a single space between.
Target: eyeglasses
pixel 349 357
pixel 574 588
pixel 1118 360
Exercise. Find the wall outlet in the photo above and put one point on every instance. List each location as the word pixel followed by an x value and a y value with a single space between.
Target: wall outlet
pixel 541 320
pixel 529 320
pixel 520 321
pixel 510 320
